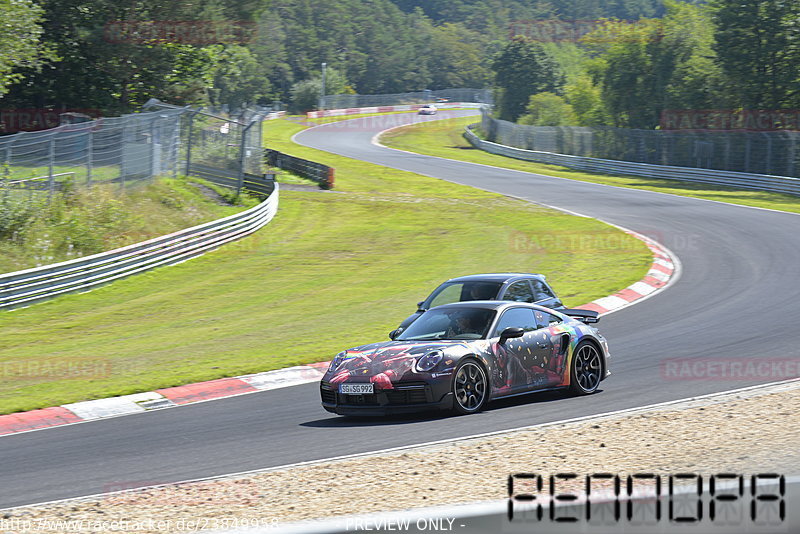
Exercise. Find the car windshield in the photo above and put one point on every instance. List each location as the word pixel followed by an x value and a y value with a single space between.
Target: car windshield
pixel 450 323
pixel 462 291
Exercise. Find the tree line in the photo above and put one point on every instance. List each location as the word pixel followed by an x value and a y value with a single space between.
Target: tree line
pixel 647 56
pixel 724 55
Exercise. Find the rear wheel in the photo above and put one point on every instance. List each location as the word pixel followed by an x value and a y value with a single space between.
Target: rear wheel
pixel 586 369
pixel 470 387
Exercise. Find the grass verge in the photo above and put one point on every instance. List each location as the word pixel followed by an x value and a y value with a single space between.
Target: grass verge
pixel 334 269
pixel 443 139
pixel 86 220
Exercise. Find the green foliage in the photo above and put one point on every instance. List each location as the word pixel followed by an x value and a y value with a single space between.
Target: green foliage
pixel 759 50
pixel 456 58
pixel 80 221
pixel 587 102
pixel 651 65
pixel 20 46
pixel 96 69
pixel 548 109
pixel 306 94
pixel 523 68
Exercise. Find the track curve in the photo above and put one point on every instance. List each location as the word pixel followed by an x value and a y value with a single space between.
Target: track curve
pixel 735 299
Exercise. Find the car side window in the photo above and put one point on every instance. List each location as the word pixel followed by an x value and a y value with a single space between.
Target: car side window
pixel 519 291
pixel 451 293
pixel 516 317
pixel 544 319
pixel 541 291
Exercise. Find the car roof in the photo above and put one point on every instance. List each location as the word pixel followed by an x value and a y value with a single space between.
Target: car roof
pixel 489 304
pixel 495 277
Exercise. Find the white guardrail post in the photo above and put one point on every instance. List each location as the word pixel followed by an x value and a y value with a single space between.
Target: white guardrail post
pixel 742 180
pixel 22 288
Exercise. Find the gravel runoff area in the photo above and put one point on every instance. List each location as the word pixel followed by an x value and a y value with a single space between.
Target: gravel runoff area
pixel 750 431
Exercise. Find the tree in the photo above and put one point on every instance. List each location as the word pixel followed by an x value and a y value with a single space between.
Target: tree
pixel 99 67
pixel 645 67
pixel 305 95
pixel 548 109
pixel 587 102
pixel 523 68
pixel 20 45
pixel 758 44
pixel 456 58
pixel 625 68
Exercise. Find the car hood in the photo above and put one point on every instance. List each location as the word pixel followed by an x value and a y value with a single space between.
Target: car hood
pixel 393 361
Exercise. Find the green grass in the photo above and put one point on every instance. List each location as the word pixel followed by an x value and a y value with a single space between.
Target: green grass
pixel 332 270
pixel 444 139
pixel 83 221
pixel 80 173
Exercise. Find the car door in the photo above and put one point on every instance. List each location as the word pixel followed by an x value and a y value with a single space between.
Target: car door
pixel 515 356
pixel 554 343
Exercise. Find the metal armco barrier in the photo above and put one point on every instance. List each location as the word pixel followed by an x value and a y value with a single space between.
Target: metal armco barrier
pixel 761 182
pixel 322 174
pixel 251 183
pixel 23 288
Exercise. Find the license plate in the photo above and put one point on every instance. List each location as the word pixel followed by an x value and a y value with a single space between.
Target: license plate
pixel 356 389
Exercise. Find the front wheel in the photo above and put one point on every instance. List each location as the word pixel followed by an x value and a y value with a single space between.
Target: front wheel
pixel 470 388
pixel 586 369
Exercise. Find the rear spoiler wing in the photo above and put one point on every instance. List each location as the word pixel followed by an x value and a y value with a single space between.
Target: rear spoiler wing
pixel 585 316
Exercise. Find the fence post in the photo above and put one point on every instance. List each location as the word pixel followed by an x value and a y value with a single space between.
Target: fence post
pixel 189 140
pixel 51 181
pixel 154 165
pixel 89 150
pixel 747 152
pixel 242 155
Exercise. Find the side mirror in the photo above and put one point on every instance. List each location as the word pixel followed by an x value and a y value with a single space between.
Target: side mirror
pixel 394 333
pixel 511 331
pixel 419 305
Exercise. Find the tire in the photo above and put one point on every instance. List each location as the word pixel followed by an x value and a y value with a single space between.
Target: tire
pixel 586 369
pixel 470 387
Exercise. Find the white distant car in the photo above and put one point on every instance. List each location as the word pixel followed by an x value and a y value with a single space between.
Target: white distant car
pixel 427 109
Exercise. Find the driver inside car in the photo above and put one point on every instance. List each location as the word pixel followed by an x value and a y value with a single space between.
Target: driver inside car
pixel 462 324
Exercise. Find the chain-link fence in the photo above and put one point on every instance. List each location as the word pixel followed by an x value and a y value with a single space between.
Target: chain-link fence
pixel 398 99
pixel 772 153
pixel 162 140
pixel 216 146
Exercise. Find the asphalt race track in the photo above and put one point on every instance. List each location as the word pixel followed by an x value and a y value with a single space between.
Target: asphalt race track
pixel 736 298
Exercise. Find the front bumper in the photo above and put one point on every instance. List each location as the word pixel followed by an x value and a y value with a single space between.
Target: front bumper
pixel 402 399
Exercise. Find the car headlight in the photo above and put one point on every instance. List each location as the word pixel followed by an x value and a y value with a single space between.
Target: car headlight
pixel 338 360
pixel 428 361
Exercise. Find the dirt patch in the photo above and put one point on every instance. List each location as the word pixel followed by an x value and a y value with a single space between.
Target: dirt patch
pixel 211 195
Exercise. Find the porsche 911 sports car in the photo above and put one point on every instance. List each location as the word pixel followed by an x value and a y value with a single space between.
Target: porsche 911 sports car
pixel 460 356
pixel 427 109
pixel 519 287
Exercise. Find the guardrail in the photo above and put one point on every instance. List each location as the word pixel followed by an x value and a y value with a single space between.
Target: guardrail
pixel 761 182
pixel 322 174
pixel 23 288
pixel 258 185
